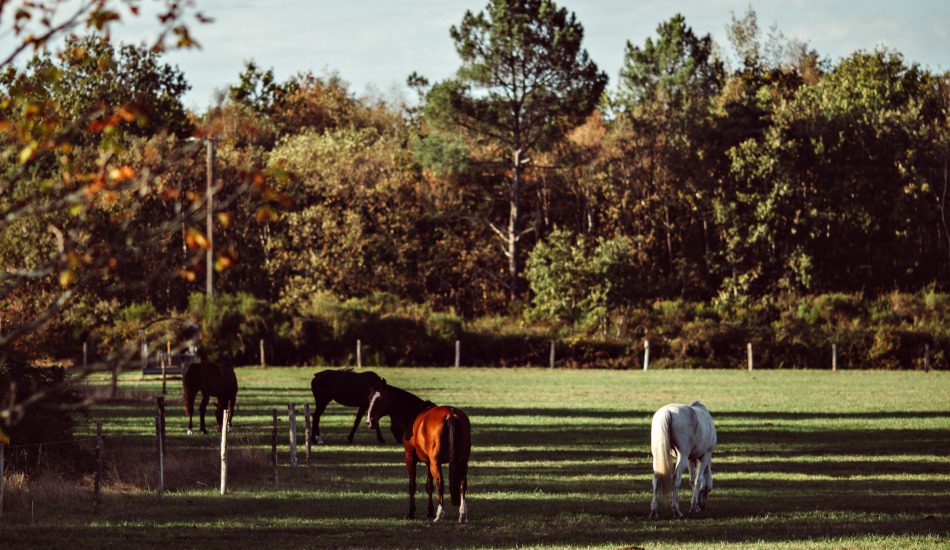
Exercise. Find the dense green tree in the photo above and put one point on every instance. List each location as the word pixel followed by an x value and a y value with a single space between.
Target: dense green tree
pixel 835 195
pixel 662 166
pixel 524 81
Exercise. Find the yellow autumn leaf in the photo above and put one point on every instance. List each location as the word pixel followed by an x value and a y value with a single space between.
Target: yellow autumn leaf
pixel 66 278
pixel 196 239
pixel 27 152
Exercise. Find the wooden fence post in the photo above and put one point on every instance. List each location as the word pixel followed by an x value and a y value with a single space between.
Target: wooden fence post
pixel 165 363
pixel 115 380
pixel 263 362
pixel 224 451
pixel 359 354
pixel 160 411
pixel 2 480
pixel 749 354
pixel 458 353
pixel 160 485
pixel 273 446
pixel 97 486
pixel 292 422
pixel 834 357
pixel 144 353
pixel 926 357
pixel 85 354
pixel 551 357
pixel 646 355
pixel 308 429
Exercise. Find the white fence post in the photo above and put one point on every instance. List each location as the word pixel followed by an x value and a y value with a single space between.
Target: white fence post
pixel 646 355
pixel 834 357
pixel 359 354
pixel 224 450
pixel 749 353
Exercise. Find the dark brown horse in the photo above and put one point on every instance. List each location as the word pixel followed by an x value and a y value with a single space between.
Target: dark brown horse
pixel 433 435
pixel 211 379
pixel 347 388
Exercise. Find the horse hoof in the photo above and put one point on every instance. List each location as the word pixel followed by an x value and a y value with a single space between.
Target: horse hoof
pixel 463 518
pixel 190 432
pixel 654 515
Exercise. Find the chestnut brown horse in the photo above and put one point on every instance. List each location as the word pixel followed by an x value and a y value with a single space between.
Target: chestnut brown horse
pixel 211 379
pixel 347 388
pixel 433 435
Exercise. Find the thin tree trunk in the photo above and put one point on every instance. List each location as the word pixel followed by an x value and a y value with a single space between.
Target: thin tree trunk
pixel 514 229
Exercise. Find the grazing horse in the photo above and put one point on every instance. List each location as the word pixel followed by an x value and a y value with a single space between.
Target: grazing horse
pixel 687 433
pixel 211 379
pixel 347 388
pixel 433 435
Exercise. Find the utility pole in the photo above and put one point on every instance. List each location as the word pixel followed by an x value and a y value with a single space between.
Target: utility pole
pixel 209 279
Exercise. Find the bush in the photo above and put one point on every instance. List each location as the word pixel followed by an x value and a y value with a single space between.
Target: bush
pixel 49 420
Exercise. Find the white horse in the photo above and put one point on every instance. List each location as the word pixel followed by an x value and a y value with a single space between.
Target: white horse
pixel 687 433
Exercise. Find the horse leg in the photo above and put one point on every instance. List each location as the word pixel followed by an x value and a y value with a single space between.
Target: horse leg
pixel 655 503
pixel 696 472
pixel 319 406
pixel 219 412
pixel 202 410
pixel 707 478
pixel 190 406
pixel 435 470
pixel 463 510
pixel 411 467
pixel 356 424
pixel 682 462
pixel 431 511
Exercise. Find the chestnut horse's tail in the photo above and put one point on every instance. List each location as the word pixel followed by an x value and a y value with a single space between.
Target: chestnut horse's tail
pixel 458 464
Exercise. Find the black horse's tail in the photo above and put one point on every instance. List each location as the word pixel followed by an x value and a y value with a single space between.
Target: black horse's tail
pixel 457 467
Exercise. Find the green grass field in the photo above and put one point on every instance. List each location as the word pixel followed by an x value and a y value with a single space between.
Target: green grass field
pixel 560 459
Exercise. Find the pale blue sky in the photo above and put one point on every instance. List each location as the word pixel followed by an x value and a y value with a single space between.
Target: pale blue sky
pixel 375 44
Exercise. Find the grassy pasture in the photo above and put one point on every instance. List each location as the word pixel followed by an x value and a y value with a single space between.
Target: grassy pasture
pixel 805 459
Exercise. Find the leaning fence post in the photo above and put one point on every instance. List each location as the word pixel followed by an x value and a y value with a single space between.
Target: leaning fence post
pixel 646 355
pixel 2 480
pixel 308 430
pixel 834 357
pixel 273 446
pixel 359 354
pixel 749 354
pixel 292 421
pixel 97 486
pixel 224 450
pixel 458 353
pixel 160 485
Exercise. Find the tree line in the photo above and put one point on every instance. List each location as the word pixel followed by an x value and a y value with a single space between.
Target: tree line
pixel 523 185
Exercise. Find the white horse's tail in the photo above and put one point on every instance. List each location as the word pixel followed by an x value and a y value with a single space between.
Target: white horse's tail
pixel 660 445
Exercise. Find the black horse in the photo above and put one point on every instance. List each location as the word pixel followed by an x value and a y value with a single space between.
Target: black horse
pixel 347 388
pixel 211 379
